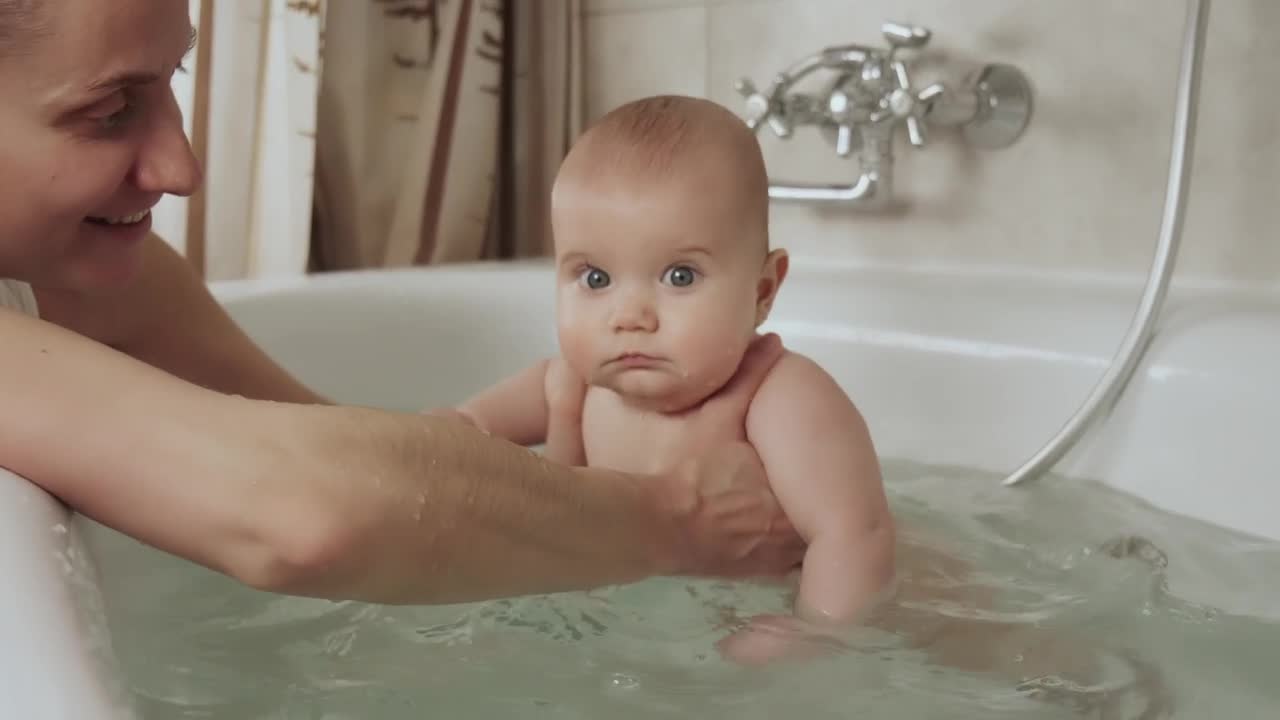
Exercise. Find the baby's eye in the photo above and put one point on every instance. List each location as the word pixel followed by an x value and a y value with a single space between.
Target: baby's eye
pixel 595 278
pixel 681 276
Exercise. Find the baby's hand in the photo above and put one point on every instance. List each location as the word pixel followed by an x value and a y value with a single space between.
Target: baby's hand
pixel 770 638
pixel 565 393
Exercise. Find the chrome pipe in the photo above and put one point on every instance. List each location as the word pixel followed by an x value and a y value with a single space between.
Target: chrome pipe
pixel 867 186
pixel 1135 343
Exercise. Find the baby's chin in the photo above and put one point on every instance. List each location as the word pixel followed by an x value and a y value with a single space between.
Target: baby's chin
pixel 658 391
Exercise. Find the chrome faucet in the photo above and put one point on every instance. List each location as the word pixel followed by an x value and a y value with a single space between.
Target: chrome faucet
pixel 870 96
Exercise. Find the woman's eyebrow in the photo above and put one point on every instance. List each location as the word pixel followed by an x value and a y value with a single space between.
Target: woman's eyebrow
pixel 127 78
pixel 121 80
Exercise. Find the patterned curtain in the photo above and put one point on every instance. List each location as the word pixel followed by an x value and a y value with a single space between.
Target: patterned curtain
pixel 347 134
pixel 433 134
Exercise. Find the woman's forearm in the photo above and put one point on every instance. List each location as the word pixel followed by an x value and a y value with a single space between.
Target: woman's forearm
pixel 432 510
pixel 344 502
pixel 312 499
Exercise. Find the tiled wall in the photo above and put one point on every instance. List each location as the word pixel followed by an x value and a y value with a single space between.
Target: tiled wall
pixel 1082 189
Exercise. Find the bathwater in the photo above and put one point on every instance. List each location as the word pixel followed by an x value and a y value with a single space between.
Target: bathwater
pixel 1061 599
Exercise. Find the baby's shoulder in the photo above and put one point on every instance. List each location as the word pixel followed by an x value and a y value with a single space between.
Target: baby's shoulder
pixel 797 369
pixel 797 379
pixel 801 401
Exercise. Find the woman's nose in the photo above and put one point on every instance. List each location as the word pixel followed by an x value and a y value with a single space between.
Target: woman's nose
pixel 166 163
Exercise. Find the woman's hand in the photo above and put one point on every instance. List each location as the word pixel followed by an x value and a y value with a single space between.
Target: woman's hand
pixel 728 519
pixel 719 495
pixel 716 502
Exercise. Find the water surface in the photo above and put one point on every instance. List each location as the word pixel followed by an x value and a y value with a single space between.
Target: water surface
pixel 1079 614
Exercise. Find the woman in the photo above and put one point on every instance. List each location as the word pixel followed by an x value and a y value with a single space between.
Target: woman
pixel 134 399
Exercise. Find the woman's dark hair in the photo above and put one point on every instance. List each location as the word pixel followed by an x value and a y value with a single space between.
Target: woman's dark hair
pixel 18 22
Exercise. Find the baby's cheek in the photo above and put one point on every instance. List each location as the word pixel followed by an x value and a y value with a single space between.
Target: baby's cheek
pixel 716 353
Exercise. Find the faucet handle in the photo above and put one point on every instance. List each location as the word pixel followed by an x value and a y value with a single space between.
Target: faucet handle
pixel 761 108
pixel 904 103
pixel 902 35
pixel 757 104
pixel 840 109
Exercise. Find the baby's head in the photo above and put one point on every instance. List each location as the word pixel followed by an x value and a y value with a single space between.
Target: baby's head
pixel 660 214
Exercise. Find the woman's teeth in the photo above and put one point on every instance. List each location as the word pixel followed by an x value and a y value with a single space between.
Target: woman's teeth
pixel 126 220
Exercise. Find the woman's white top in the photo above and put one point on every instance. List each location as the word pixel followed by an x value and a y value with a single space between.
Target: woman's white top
pixel 18 296
pixel 55 660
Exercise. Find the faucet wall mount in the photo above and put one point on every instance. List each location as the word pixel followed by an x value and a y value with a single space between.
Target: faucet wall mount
pixel 870 96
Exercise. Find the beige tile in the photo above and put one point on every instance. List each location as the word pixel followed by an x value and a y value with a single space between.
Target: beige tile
pixel 1072 192
pixel 1083 188
pixel 597 7
pixel 1233 217
pixel 637 54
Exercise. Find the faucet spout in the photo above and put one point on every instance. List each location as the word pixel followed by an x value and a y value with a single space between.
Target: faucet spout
pixel 871 95
pixel 872 188
pixel 864 190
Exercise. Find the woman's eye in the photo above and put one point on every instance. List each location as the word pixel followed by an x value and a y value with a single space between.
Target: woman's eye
pixel 595 278
pixel 681 276
pixel 116 119
pixel 119 114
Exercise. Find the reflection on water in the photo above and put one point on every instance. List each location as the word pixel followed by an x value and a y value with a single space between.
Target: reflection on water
pixel 1060 600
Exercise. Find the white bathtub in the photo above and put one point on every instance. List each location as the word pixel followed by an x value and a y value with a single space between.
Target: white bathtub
pixel 968 370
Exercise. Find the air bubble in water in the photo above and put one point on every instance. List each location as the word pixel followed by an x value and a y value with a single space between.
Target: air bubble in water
pixel 621 681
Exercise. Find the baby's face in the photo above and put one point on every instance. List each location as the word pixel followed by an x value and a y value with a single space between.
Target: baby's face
pixel 661 285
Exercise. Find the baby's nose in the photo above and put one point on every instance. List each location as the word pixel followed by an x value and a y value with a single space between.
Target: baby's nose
pixel 635 314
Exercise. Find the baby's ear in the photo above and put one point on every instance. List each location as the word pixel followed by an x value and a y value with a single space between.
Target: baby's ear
pixel 771 277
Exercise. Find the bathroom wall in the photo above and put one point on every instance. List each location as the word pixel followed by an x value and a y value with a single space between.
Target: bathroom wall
pixel 1082 190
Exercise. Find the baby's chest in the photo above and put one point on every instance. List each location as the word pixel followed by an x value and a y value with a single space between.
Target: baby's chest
pixel 623 438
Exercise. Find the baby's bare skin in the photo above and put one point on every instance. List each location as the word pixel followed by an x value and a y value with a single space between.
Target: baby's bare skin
pixel 663 278
pixel 661 287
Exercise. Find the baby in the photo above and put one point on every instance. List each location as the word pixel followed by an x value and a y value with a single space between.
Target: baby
pixel 663 275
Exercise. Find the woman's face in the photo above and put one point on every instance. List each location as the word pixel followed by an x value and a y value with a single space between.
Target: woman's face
pixel 91 138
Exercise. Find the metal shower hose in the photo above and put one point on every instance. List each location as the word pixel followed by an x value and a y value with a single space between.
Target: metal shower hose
pixel 1135 342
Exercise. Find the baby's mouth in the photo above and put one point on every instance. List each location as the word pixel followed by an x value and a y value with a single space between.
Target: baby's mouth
pixel 133 219
pixel 636 360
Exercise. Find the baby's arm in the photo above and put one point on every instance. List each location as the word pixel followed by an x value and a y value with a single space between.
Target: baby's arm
pixel 540 404
pixel 822 466
pixel 514 409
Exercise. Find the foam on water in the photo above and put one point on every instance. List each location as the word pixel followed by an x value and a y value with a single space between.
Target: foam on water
pixel 1092 602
